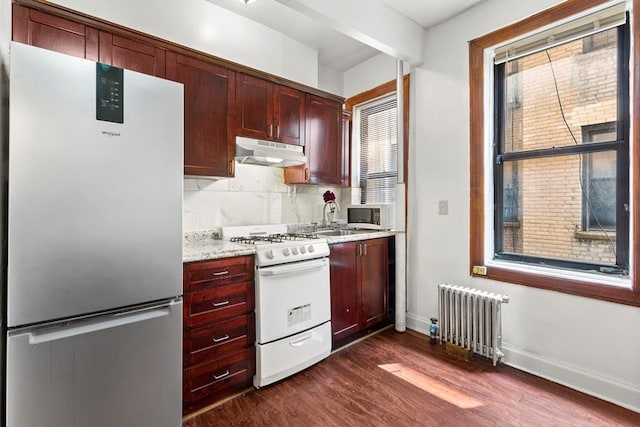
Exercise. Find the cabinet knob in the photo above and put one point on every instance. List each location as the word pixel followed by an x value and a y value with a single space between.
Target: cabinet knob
pixel 270 131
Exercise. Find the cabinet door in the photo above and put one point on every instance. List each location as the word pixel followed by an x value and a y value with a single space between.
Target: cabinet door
pixel 323 143
pixel 345 308
pixel 132 54
pixel 288 115
pixel 50 32
pixel 208 121
pixel 374 279
pixel 254 107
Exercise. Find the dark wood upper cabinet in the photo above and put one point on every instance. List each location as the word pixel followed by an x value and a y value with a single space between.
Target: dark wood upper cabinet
pixel 132 55
pixel 324 145
pixel 289 115
pixel 269 111
pixel 50 32
pixel 254 107
pixel 209 94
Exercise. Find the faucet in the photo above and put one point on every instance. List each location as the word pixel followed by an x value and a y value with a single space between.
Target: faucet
pixel 333 205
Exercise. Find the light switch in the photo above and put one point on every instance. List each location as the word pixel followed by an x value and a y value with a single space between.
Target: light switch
pixel 443 207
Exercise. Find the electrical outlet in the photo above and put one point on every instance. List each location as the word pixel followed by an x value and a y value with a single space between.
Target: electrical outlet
pixel 480 270
pixel 443 207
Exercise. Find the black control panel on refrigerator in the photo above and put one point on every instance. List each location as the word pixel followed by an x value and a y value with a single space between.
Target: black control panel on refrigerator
pixel 109 93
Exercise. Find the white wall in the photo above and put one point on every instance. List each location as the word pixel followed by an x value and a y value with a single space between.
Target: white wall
pixel 330 79
pixel 256 195
pixel 204 26
pixel 586 344
pixel 369 74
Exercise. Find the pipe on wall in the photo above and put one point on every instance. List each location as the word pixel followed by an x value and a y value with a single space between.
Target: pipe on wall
pixel 401 237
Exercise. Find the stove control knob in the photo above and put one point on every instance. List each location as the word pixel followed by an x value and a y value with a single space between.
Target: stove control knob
pixel 270 254
pixel 311 249
pixel 285 251
pixel 294 251
pixel 303 250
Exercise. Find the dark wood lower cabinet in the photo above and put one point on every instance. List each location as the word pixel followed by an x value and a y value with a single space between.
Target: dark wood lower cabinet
pixel 219 330
pixel 345 292
pixel 359 286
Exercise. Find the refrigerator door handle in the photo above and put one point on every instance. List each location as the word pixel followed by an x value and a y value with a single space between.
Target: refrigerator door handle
pixel 49 334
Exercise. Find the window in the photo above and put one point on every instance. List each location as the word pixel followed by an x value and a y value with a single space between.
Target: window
pixel 550 203
pixel 547 176
pixel 378 150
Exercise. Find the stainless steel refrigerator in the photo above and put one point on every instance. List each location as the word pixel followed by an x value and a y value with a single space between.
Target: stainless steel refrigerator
pixel 94 269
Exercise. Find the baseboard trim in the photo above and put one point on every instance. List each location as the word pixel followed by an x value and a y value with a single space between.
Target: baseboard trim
pixel 614 391
pixel 418 323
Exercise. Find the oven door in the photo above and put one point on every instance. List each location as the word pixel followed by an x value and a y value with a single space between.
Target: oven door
pixel 291 298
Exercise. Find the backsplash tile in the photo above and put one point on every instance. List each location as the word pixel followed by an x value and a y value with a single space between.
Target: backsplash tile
pixel 256 195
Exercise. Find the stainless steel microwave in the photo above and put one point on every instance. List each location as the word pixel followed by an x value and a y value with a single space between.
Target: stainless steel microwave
pixel 372 217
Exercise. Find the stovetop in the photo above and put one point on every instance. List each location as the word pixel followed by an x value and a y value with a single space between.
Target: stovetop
pixel 273 238
pixel 274 245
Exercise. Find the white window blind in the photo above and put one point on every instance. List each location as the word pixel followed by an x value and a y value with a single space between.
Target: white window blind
pixel 578 28
pixel 378 151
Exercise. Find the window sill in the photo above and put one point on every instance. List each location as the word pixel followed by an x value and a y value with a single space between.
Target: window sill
pixel 612 289
pixel 595 235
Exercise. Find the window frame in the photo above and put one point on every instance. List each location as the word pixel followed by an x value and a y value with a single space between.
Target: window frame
pixel 379 91
pixel 587 285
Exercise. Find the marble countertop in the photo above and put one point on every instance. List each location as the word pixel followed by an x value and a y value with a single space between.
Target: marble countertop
pixel 361 236
pixel 205 245
pixel 214 249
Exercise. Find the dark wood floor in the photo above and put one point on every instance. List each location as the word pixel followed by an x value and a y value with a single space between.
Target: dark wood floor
pixel 393 379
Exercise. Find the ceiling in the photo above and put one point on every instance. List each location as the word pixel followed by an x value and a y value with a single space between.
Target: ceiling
pixel 336 50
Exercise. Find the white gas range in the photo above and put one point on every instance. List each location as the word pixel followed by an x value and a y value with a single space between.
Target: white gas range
pixel 293 311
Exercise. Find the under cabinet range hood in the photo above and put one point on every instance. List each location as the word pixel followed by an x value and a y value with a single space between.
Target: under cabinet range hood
pixel 268 153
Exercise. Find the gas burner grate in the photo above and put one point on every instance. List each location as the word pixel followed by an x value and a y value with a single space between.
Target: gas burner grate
pixel 294 236
pixel 252 240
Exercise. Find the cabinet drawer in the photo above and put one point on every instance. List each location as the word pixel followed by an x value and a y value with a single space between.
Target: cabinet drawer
pixel 218 339
pixel 201 275
pixel 212 378
pixel 218 303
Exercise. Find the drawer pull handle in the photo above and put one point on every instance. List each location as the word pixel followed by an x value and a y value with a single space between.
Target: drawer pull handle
pixel 221 376
pixel 221 303
pixel 220 273
pixel 224 338
pixel 300 341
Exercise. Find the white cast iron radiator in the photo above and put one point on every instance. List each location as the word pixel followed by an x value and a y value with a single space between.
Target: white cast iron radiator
pixel 472 319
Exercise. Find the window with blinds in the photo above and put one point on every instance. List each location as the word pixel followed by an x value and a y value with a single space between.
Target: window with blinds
pixel 378 150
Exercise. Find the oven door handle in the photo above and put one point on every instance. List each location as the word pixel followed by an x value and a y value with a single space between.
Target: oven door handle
pixel 293 268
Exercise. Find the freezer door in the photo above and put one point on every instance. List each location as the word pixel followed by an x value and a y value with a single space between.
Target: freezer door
pixel 95 207
pixel 116 370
